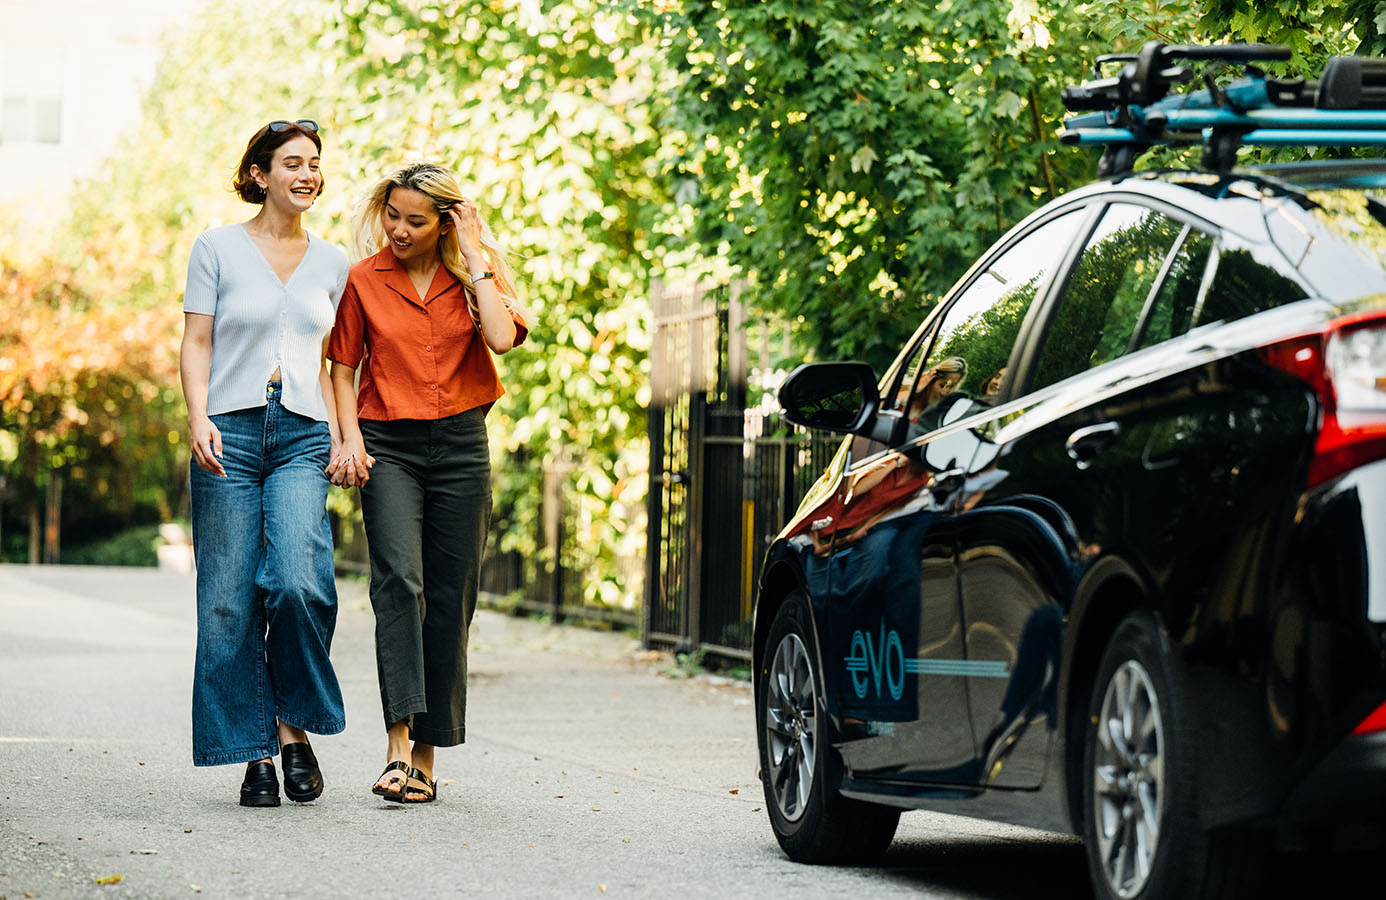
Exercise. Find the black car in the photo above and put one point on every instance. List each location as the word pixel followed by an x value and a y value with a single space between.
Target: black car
pixel 1104 550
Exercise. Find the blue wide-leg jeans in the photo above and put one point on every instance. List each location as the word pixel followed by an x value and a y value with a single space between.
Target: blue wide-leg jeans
pixel 266 599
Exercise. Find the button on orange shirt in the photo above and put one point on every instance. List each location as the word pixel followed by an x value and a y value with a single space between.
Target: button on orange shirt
pixel 424 359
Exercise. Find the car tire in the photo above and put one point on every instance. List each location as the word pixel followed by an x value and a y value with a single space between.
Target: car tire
pixel 1140 822
pixel 800 770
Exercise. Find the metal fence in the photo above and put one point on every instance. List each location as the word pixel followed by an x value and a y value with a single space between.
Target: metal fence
pixel 725 471
pixel 541 582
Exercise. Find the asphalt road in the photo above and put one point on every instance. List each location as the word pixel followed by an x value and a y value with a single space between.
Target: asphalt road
pixel 587 773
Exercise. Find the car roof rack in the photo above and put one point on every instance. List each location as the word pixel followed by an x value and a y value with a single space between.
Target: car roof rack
pixel 1135 110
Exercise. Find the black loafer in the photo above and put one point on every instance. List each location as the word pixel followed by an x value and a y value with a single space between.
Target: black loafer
pixel 302 778
pixel 261 786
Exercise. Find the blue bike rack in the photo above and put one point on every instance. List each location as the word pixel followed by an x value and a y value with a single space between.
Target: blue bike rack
pixel 1135 110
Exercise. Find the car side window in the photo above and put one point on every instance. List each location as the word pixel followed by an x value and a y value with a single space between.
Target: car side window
pixel 1107 291
pixel 1243 285
pixel 1173 308
pixel 973 342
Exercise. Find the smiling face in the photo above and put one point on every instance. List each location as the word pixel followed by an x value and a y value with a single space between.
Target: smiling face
pixel 293 181
pixel 412 224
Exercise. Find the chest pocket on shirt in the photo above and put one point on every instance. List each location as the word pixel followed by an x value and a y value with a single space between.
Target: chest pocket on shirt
pixel 450 316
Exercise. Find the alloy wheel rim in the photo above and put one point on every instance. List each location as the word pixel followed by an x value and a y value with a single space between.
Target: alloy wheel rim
pixel 790 732
pixel 1128 777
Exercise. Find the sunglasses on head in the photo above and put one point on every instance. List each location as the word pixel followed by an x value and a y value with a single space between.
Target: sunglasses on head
pixel 281 124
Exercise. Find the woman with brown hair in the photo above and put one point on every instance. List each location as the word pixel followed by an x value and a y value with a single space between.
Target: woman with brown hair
pixel 260 301
pixel 421 316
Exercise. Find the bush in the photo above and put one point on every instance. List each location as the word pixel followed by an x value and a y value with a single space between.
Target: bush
pixel 133 547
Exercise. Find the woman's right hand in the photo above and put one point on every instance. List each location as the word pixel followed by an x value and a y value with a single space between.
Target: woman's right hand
pixel 206 445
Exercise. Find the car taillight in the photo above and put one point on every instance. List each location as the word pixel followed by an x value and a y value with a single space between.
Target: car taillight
pixel 1372 723
pixel 1346 366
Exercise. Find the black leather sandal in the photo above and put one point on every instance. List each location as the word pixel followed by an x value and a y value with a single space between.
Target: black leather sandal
pixel 429 789
pixel 396 796
pixel 302 777
pixel 261 785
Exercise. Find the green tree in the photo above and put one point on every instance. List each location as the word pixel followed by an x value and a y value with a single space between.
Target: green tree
pixel 853 158
pixel 537 106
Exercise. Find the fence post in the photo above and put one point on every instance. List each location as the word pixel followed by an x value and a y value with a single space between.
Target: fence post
pixel 53 517
pixel 555 475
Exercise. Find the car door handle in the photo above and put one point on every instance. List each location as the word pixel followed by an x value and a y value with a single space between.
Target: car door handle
pixel 1084 444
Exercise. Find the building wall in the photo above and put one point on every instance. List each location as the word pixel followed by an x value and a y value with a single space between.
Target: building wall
pixel 72 75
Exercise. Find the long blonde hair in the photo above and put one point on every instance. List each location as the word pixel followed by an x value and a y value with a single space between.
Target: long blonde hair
pixel 440 186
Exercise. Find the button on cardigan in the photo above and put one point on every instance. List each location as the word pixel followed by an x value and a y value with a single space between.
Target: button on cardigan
pixel 423 359
pixel 260 323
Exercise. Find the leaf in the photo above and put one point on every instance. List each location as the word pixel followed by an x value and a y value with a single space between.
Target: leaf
pixel 1008 105
pixel 863 158
pixel 109 879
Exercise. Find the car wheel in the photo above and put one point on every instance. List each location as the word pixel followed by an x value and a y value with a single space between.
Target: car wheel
pixel 800 770
pixel 1141 820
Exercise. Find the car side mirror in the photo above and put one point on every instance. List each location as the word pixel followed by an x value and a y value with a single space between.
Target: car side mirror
pixel 832 396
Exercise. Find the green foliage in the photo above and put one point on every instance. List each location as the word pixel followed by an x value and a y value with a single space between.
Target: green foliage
pixel 686 665
pixel 134 547
pixel 537 107
pixel 853 158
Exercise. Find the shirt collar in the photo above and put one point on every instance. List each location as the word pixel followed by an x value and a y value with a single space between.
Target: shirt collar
pixel 398 280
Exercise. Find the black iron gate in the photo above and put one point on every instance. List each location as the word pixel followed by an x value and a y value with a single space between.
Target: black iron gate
pixel 725 471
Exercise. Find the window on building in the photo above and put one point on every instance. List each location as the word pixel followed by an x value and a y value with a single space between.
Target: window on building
pixel 31 96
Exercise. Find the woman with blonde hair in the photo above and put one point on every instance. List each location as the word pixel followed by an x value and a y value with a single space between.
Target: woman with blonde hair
pixel 421 316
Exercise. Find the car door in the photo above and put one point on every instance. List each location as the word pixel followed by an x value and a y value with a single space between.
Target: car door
pixel 894 628
pixel 1082 468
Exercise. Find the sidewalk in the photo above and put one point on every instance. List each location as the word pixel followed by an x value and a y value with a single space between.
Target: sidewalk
pixel 569 730
pixel 586 773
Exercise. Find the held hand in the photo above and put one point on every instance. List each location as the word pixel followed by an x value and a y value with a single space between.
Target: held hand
pixel 351 466
pixel 206 446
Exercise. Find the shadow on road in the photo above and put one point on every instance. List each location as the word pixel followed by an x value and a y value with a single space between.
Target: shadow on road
pixel 1045 868
pixel 1054 868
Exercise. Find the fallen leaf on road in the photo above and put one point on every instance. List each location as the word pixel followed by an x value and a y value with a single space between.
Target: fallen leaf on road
pixel 596 809
pixel 602 888
pixel 29 894
pixel 558 796
pixel 144 852
pixel 110 879
pixel 734 791
pixel 187 831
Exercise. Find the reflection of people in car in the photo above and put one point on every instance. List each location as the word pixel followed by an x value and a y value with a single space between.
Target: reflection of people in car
pixel 932 387
pixel 935 383
pixel 991 388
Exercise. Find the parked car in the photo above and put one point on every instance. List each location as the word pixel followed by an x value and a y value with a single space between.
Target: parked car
pixel 1104 550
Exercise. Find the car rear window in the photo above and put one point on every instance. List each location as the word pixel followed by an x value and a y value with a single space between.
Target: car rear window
pixel 1342 250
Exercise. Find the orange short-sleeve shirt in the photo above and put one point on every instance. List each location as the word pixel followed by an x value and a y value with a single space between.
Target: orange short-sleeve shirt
pixel 423 359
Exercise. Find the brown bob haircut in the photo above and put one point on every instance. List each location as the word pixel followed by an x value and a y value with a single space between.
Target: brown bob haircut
pixel 260 152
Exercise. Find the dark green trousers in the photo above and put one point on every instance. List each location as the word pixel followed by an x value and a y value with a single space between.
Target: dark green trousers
pixel 427 507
